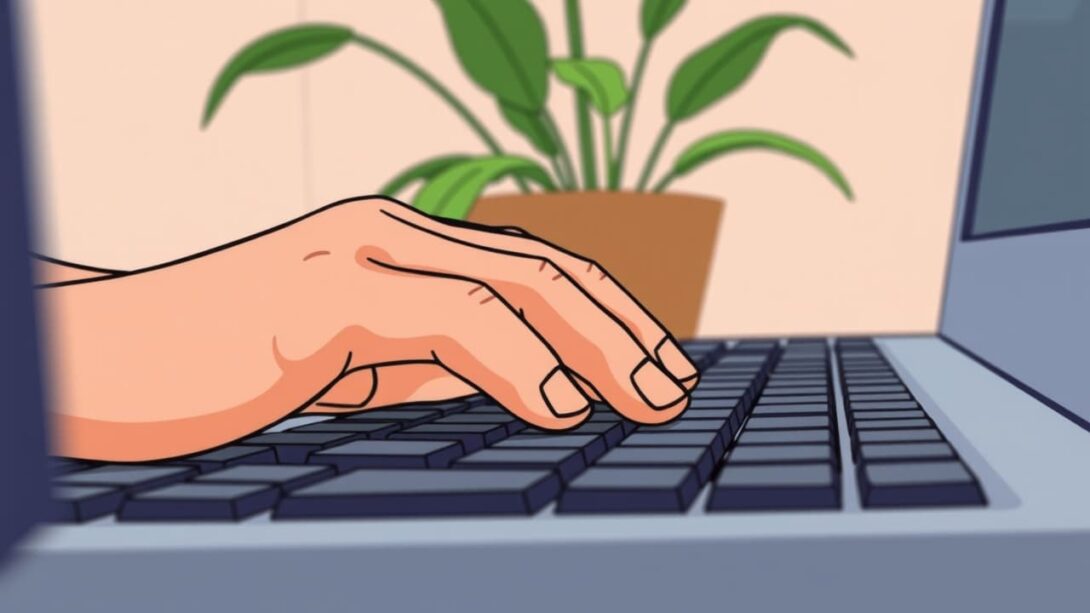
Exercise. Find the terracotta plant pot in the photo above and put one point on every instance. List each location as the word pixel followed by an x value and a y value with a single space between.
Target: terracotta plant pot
pixel 659 246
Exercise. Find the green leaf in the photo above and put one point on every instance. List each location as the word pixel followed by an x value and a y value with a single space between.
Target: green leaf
pixel 423 171
pixel 502 45
pixel 724 65
pixel 279 50
pixel 452 192
pixel 722 143
pixel 530 125
pixel 656 15
pixel 601 80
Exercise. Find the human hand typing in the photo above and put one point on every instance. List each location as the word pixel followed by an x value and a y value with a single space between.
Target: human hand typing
pixel 362 304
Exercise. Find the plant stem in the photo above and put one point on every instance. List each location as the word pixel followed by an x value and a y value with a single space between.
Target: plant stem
pixel 565 158
pixel 616 170
pixel 663 182
pixel 582 105
pixel 607 143
pixel 561 178
pixel 654 157
pixel 440 90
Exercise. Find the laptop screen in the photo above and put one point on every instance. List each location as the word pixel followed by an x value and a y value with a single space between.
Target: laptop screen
pixel 1034 151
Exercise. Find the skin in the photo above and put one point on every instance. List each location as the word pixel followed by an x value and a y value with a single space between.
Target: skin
pixel 360 305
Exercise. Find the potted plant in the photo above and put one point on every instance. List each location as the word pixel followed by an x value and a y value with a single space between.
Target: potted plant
pixel 660 243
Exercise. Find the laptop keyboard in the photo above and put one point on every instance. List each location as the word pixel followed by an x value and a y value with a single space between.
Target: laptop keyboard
pixel 761 434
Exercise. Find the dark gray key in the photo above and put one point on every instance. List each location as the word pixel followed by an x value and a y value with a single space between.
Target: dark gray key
pixel 906 451
pixel 593 445
pixel 908 484
pixel 872 380
pixel 448 407
pixel 788 422
pixel 721 426
pixel 611 431
pixel 370 429
pixel 295 447
pixel 404 493
pixel 872 397
pixel 803 399
pixel 84 502
pixel 130 477
pixel 712 440
pixel 855 388
pixel 389 454
pixel 508 421
pixel 700 458
pixel 898 436
pixel 566 462
pixel 789 486
pixel 880 415
pixel 775 437
pixel 200 501
pixel 780 454
pixel 610 489
pixel 723 395
pixel 793 391
pixel 768 410
pixel 890 424
pixel 712 404
pixel 471 436
pixel 883 405
pixel 735 386
pixel 286 478
pixel 406 417
pixel 229 456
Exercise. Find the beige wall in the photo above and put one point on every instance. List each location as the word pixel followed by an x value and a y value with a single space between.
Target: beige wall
pixel 129 179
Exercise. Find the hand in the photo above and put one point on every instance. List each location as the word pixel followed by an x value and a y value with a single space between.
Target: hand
pixel 430 308
pixel 362 304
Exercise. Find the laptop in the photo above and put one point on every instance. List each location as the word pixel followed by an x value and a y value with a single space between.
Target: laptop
pixel 860 473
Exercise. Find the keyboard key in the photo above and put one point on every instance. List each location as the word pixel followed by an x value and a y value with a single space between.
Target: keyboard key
pixel 918 484
pixel 471 436
pixel 891 424
pixel 62 466
pixel 880 415
pixel 870 389
pixel 199 501
pixel 399 493
pixel 906 451
pixel 780 454
pixel 775 437
pixel 899 436
pixel 872 397
pixel 793 391
pixel 508 421
pixel 77 503
pixel 789 422
pixel 712 440
pixel 770 410
pixel 406 417
pixel 630 490
pixel 788 486
pixel 295 447
pixel 389 454
pixel 370 429
pixel 802 399
pixel 611 431
pixel 888 405
pixel 285 477
pixel 700 458
pixel 228 456
pixel 592 445
pixel 722 426
pixel 566 462
pixel 130 477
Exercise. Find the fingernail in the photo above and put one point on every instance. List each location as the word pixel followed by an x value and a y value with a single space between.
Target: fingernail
pixel 675 361
pixel 561 395
pixel 655 386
